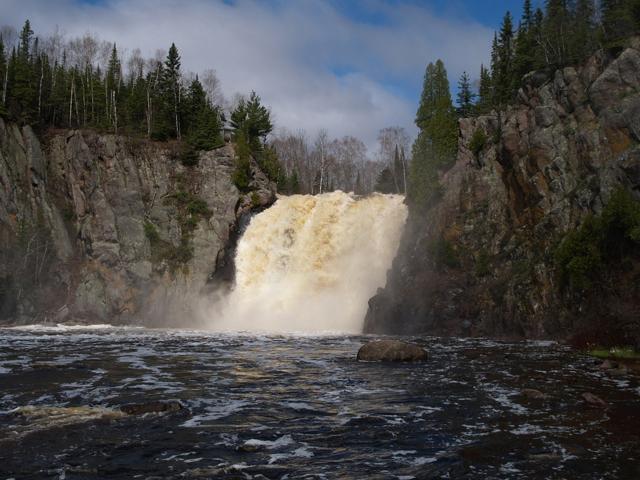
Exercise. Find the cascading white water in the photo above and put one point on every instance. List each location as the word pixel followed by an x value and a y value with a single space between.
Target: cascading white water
pixel 310 263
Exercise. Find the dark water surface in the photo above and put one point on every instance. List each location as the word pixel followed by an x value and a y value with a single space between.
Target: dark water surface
pixel 302 407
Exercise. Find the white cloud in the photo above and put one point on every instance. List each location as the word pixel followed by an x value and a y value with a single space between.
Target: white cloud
pixel 287 51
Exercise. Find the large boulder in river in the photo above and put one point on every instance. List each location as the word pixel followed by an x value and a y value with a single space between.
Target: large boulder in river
pixel 391 351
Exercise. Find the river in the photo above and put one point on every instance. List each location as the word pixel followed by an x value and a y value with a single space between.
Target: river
pixel 288 407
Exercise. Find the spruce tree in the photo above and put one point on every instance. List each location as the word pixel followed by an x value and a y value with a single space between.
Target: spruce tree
pixel 583 31
pixel 556 32
pixel 485 100
pixel 524 54
pixel 437 142
pixel 503 76
pixel 253 119
pixel 465 96
pixel 617 20
pixel 113 80
pixel 22 85
pixel 170 87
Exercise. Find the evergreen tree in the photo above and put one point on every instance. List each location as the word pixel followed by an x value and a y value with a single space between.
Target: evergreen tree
pixel 556 32
pixel 485 100
pixel 524 54
pixel 437 142
pixel 294 183
pixel 170 91
pixel 385 182
pixel 112 88
pixel 583 31
pixel 503 76
pixel 21 85
pixel 465 96
pixel 618 19
pixel 253 119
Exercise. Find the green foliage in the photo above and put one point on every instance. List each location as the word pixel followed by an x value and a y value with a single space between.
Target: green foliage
pixel 242 174
pixel 502 67
pixel 583 254
pixel 465 96
pixel 188 155
pixel 267 160
pixel 150 101
pixel 385 182
pixel 435 147
pixel 477 142
pixel 443 254
pixel 252 119
pixel 151 232
pixel 198 208
pixel 625 353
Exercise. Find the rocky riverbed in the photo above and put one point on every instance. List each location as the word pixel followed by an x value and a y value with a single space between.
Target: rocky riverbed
pixel 250 406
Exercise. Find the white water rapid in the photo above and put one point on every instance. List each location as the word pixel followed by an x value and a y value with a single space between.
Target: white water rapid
pixel 310 263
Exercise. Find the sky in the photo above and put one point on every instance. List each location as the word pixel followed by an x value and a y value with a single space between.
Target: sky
pixel 350 67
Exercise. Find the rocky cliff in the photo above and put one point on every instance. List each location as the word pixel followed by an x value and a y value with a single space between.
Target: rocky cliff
pixel 481 261
pixel 105 228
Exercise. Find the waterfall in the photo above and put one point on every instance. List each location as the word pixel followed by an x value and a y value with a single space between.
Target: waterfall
pixel 311 263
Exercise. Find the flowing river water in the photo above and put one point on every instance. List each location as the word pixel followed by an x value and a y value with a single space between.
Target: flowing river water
pixel 288 407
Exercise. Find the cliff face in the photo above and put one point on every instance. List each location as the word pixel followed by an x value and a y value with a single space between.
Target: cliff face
pixel 480 262
pixel 104 228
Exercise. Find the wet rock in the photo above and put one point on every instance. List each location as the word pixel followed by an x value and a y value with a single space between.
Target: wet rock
pixel 620 371
pixel 391 351
pixel 533 394
pixel 594 400
pixel 608 365
pixel 152 407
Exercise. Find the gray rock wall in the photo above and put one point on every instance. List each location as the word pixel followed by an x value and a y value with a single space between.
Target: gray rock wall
pixel 555 157
pixel 105 228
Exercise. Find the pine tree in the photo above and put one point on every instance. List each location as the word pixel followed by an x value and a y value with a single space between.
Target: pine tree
pixel 113 82
pixel 201 120
pixel 618 19
pixel 253 119
pixel 485 100
pixel 556 32
pixel 465 96
pixel 524 54
pixel 21 87
pixel 583 31
pixel 503 77
pixel 171 93
pixel 437 142
pixel 385 182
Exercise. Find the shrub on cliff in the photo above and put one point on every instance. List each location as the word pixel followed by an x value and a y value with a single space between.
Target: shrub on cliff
pixel 600 240
pixel 477 142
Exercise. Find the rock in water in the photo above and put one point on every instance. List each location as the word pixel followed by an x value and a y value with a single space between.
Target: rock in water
pixel 391 351
pixel 594 400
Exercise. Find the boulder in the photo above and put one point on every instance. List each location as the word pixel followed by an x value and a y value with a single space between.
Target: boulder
pixel 594 400
pixel 391 351
pixel 533 394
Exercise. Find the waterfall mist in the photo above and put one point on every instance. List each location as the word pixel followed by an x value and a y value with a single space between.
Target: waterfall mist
pixel 311 263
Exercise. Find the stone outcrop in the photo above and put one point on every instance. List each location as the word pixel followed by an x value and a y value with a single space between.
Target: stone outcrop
pixel 391 351
pixel 105 228
pixel 481 261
